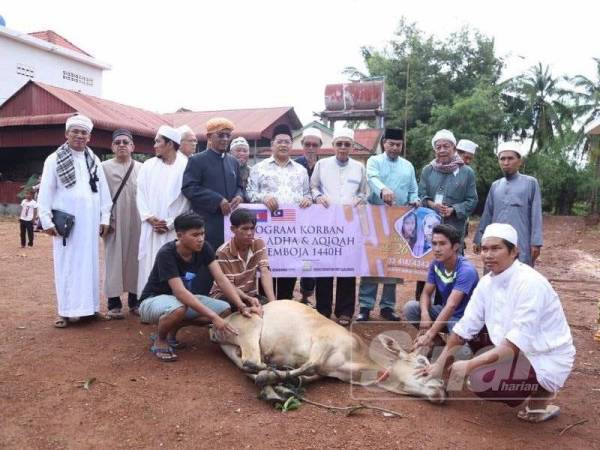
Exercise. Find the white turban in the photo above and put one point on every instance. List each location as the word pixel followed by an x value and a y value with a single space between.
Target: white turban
pixel 343 132
pixel 185 129
pixel 81 122
pixel 239 142
pixel 312 131
pixel 443 134
pixel 467 146
pixel 502 231
pixel 170 133
pixel 513 146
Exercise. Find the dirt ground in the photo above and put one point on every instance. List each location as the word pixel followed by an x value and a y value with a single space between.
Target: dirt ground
pixel 203 401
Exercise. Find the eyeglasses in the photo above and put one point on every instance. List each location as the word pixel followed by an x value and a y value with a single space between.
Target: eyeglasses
pixel 194 141
pixel 223 135
pixel 443 146
pixel 343 144
pixel 122 142
pixel 283 142
pixel 311 145
pixel 76 132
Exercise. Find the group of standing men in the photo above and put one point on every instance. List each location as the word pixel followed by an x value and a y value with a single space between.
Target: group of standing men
pixel 140 210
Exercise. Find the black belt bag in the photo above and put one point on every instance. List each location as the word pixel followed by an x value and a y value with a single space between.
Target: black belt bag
pixel 64 223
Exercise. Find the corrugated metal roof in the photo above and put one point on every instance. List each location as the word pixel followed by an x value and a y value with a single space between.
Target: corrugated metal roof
pixel 255 123
pixel 56 39
pixel 41 104
pixel 105 114
pixel 368 138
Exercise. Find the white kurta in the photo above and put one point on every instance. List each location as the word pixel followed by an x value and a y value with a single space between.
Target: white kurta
pixel 521 306
pixel 158 195
pixel 76 273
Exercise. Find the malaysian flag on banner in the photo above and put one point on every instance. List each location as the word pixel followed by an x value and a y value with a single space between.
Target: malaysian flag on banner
pixel 283 215
pixel 262 215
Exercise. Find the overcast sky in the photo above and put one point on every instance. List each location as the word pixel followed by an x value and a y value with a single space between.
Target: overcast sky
pixel 244 54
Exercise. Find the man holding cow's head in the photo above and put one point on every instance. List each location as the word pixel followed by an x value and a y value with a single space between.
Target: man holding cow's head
pixel 531 353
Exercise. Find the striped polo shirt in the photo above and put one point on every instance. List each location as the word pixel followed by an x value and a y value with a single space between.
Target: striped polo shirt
pixel 241 272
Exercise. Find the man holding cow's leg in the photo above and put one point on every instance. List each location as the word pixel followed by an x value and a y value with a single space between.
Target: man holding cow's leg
pixel 532 349
pixel 242 258
pixel 167 301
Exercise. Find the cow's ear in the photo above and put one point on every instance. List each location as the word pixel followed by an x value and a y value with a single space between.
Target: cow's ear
pixel 391 345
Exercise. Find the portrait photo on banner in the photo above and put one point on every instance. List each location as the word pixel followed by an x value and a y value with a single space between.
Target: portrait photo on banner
pixel 415 228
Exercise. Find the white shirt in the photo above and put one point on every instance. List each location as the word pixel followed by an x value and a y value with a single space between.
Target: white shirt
pixel 341 184
pixel 27 209
pixel 521 306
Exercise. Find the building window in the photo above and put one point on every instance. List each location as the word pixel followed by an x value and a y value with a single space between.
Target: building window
pixel 77 78
pixel 25 70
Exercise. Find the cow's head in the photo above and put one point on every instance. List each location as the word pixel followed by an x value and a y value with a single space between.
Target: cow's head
pixel 402 378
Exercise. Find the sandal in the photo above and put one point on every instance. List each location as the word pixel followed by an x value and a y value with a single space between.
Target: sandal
pixel 173 342
pixel 115 313
pixel 344 321
pixel 539 415
pixel 60 322
pixel 163 354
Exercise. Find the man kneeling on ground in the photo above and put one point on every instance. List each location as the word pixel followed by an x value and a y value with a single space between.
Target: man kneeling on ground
pixel 532 350
pixel 241 258
pixel 453 277
pixel 166 299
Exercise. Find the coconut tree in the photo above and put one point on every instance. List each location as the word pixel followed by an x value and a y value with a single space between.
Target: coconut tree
pixel 544 98
pixel 587 108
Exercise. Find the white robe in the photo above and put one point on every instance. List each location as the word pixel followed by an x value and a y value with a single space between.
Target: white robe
pixel 521 306
pixel 76 273
pixel 159 195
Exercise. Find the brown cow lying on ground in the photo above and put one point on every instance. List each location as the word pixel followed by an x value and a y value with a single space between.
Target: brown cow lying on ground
pixel 293 342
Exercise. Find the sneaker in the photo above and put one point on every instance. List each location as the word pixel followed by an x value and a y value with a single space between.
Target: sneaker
pixel 363 315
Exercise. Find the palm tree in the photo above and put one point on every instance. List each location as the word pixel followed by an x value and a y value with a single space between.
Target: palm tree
pixel 549 114
pixel 587 107
pixel 587 96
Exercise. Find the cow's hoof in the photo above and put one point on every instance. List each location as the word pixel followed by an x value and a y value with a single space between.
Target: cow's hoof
pixel 284 391
pixel 250 367
pixel 265 378
pixel 268 394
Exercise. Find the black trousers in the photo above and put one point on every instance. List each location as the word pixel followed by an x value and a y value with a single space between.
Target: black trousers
pixel 283 287
pixel 345 296
pixel 26 227
pixel 115 302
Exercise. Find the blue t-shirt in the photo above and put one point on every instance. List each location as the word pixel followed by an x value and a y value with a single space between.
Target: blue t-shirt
pixel 463 279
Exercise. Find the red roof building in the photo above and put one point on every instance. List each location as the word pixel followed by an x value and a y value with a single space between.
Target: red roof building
pixel 32 124
pixel 56 39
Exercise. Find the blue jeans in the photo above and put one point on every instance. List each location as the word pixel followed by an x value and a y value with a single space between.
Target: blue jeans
pixel 412 313
pixel 368 290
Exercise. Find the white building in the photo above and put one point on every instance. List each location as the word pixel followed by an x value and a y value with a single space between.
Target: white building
pixel 47 57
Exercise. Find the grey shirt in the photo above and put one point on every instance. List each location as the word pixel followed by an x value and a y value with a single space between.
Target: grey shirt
pixel 458 189
pixel 515 200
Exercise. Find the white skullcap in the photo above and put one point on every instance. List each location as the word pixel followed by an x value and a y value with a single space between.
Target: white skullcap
pixel 512 146
pixel 502 231
pixel 312 131
pixel 170 133
pixel 185 129
pixel 343 132
pixel 239 142
pixel 443 134
pixel 467 146
pixel 81 122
